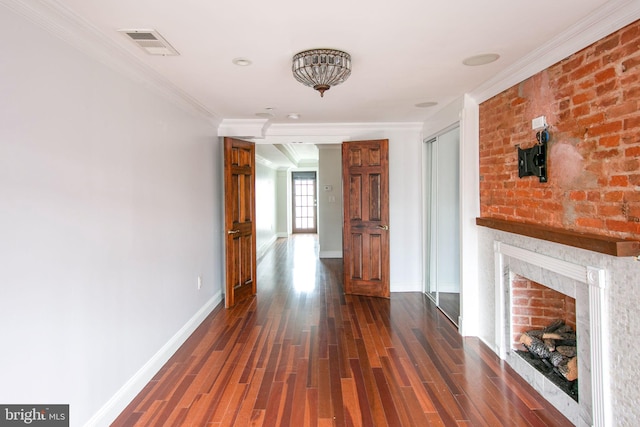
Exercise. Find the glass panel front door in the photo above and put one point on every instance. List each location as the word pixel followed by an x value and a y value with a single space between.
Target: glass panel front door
pixel 304 202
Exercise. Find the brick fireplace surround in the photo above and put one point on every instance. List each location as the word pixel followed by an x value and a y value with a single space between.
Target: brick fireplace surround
pixel 591 101
pixel 535 306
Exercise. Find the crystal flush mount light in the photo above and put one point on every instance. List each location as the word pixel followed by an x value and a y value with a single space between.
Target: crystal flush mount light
pixel 321 68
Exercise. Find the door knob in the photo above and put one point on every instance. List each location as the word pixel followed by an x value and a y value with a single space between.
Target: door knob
pixel 383 227
pixel 233 231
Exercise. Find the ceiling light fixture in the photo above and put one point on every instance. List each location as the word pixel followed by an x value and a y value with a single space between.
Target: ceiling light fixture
pixel 427 104
pixel 321 68
pixel 485 58
pixel 242 62
pixel 268 114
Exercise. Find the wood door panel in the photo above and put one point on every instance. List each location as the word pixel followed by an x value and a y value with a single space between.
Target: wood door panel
pixel 240 226
pixel 366 207
pixel 356 256
pixel 375 202
pixel 375 157
pixel 355 157
pixel 355 204
pixel 246 250
pixel 375 253
pixel 370 247
pixel 369 288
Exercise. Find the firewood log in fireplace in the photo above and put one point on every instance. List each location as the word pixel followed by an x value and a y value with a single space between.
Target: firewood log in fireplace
pixel 556 346
pixel 550 343
pixel 535 346
pixel 557 359
pixel 566 336
pixel 555 325
pixel 567 351
pixel 570 370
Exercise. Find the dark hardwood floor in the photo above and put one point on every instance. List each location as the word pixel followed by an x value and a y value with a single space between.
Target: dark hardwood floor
pixel 450 305
pixel 301 353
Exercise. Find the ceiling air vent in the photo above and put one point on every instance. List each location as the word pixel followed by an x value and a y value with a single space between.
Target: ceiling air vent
pixel 151 41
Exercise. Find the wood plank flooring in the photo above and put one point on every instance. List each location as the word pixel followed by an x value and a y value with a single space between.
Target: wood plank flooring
pixel 301 353
pixel 450 305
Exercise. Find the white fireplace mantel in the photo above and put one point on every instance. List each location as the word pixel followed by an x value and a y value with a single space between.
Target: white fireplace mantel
pixel 587 285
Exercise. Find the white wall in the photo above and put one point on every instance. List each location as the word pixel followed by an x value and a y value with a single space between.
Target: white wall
pixel 330 200
pixel 109 211
pixel 266 207
pixel 283 213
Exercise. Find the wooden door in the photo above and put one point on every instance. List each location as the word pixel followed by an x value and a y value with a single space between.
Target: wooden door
pixel 240 226
pixel 365 180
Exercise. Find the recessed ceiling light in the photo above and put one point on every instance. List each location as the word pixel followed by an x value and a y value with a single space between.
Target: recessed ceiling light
pixel 426 104
pixel 293 116
pixel 268 113
pixel 242 62
pixel 485 58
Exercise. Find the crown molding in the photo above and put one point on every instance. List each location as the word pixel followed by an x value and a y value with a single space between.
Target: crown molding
pixel 243 128
pixel 609 18
pixel 264 132
pixel 265 162
pixel 63 23
pixel 338 129
pixel 290 153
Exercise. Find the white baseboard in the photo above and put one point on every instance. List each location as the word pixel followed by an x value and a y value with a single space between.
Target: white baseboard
pixel 330 254
pixel 493 347
pixel 119 401
pixel 406 287
pixel 265 246
pixel 449 287
pixel 282 234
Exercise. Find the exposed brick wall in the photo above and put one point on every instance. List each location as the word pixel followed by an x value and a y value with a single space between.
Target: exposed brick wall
pixel 591 101
pixel 535 307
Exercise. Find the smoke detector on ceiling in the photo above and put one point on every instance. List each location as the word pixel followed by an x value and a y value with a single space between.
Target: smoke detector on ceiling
pixel 151 41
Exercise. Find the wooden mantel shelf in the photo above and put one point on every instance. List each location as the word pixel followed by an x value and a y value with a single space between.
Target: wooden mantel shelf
pixel 593 242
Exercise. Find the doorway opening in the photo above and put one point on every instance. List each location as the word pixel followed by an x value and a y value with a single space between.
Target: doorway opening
pixel 304 202
pixel 442 214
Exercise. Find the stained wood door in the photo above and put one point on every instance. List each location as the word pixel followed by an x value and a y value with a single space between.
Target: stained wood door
pixel 365 180
pixel 240 226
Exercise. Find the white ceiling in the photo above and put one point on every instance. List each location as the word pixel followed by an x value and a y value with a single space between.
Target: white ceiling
pixel 404 52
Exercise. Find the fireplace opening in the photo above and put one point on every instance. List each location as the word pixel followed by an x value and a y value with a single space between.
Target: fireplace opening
pixel 544 332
